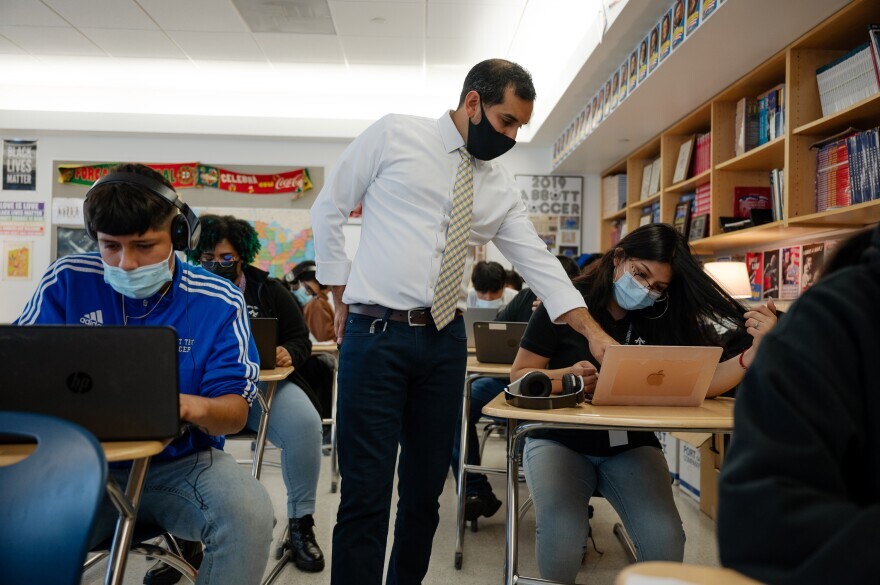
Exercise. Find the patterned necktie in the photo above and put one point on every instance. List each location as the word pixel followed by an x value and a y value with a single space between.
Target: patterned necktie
pixel 449 282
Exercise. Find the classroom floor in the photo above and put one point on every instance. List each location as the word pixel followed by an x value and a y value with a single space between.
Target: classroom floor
pixel 483 550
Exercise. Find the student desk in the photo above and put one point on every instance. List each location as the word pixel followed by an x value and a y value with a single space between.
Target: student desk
pixel 714 416
pixel 139 453
pixel 474 371
pixel 661 572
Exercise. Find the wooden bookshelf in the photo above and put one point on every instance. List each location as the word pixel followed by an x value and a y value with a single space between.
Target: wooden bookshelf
pixel 647 201
pixel 795 67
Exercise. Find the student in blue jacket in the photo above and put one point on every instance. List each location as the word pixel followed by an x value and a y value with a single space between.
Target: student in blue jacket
pixel 193 489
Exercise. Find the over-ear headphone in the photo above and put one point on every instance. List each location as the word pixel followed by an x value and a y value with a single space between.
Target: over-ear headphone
pixel 185 227
pixel 533 391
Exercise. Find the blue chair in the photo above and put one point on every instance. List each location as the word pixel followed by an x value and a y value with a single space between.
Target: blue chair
pixel 50 499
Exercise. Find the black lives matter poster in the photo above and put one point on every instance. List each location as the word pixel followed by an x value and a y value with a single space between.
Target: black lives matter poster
pixel 20 165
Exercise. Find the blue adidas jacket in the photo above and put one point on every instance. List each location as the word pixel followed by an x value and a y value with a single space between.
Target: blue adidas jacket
pixel 216 351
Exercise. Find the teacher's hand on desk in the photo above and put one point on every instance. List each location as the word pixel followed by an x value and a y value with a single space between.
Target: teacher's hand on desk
pixel 282 357
pixel 581 321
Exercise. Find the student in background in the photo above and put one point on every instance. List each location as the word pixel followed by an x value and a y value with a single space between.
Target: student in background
pixel 800 486
pixel 489 291
pixel 648 290
pixel 318 311
pixel 227 247
pixel 480 499
pixel 513 280
pixel 192 489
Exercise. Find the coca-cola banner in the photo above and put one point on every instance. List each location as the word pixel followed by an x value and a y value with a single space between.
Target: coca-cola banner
pixel 187 175
pixel 288 182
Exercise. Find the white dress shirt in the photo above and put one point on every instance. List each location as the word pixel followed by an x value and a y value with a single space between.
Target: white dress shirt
pixel 403 170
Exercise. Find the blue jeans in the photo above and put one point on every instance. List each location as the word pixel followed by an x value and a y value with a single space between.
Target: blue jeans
pixel 482 392
pixel 205 497
pixel 636 483
pixel 295 428
pixel 397 385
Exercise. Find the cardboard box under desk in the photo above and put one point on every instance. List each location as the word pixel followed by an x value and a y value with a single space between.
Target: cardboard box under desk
pixel 700 458
pixel 669 445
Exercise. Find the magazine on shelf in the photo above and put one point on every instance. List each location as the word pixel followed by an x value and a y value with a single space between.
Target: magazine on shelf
pixel 771 275
pixel 681 221
pixel 791 272
pixel 812 258
pixel 755 266
pixel 684 160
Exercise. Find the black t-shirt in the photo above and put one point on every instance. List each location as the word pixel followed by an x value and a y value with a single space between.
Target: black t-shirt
pixel 565 347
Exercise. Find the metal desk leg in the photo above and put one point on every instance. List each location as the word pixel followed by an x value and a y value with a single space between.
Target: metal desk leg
pixel 263 429
pixel 462 472
pixel 512 504
pixel 125 525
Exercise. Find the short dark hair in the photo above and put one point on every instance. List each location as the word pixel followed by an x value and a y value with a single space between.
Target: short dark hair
pixel 491 78
pixel 488 276
pixel 122 209
pixel 239 233
pixel 513 279
pixel 569 265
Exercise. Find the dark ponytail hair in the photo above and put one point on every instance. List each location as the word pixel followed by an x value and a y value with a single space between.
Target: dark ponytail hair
pixel 694 299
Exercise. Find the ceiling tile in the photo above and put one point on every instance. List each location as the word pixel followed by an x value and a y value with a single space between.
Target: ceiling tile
pixel 383 51
pixel 103 13
pixel 50 41
pixel 292 48
pixel 483 20
pixel 463 51
pixel 214 46
pixel 195 15
pixel 134 43
pixel 7 47
pixel 378 19
pixel 28 13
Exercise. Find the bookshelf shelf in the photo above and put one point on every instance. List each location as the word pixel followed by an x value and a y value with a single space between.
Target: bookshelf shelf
pixel 762 158
pixel 866 112
pixel 614 216
pixel 790 71
pixel 647 201
pixel 690 184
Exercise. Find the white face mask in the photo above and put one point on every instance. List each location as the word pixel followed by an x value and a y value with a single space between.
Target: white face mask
pixel 486 304
pixel 140 283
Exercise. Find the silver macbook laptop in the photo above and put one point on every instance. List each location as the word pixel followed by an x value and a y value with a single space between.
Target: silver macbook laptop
pixel 655 375
pixel 498 341
pixel 471 316
pixel 120 383
pixel 265 332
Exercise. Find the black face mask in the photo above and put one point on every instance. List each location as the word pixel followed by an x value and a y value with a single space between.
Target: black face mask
pixel 228 272
pixel 484 142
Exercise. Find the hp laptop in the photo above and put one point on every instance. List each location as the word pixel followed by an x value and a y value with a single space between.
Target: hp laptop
pixel 655 375
pixel 265 332
pixel 471 316
pixel 120 383
pixel 498 341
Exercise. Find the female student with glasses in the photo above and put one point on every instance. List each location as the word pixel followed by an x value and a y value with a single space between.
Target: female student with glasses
pixel 649 289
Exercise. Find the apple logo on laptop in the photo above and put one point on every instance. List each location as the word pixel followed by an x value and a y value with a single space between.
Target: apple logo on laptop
pixel 656 378
pixel 79 382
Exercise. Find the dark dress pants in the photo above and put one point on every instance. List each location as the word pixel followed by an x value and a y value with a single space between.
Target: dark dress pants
pixel 398 385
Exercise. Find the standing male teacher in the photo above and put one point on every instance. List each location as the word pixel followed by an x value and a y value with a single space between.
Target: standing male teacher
pixel 430 194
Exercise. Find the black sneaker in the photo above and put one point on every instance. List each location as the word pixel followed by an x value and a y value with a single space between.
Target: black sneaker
pixel 307 555
pixel 477 505
pixel 162 574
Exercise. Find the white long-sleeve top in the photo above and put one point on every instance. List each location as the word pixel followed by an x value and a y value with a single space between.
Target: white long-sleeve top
pixel 403 170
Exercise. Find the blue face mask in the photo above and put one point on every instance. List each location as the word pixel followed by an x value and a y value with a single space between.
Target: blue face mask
pixel 302 295
pixel 141 282
pixel 630 294
pixel 486 304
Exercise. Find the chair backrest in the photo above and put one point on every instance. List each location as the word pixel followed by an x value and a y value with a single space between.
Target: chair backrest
pixel 49 500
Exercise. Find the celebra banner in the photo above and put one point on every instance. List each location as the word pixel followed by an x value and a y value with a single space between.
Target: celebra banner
pixel 289 182
pixel 180 175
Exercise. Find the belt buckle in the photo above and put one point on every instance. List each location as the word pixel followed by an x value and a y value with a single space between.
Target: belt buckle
pixel 409 317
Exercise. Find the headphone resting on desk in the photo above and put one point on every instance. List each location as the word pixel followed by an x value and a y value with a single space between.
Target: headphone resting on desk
pixel 532 391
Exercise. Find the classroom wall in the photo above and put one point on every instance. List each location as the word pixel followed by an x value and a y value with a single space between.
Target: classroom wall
pixel 55 148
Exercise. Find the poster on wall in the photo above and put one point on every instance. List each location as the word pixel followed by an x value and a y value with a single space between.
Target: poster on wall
pixel 554 205
pixel 67 211
pixel 17 260
pixel 20 165
pixel 22 218
pixel 285 235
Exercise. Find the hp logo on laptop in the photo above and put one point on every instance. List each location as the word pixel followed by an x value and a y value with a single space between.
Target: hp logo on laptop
pixel 79 382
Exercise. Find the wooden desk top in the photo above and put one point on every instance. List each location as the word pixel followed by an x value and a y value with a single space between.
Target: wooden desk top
pixel 475 367
pixel 275 375
pixel 325 347
pixel 715 415
pixel 659 572
pixel 113 451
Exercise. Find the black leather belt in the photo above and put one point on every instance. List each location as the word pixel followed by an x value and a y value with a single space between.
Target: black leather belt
pixel 413 317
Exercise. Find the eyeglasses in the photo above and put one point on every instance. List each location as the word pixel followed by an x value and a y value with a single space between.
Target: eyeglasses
pixel 640 278
pixel 224 260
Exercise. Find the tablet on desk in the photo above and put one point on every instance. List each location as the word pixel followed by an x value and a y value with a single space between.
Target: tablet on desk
pixel 655 375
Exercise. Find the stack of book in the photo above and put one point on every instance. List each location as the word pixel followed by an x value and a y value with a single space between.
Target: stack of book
pixel 832 176
pixel 614 188
pixel 771 114
pixel 863 152
pixel 847 80
pixel 702 159
pixel 703 200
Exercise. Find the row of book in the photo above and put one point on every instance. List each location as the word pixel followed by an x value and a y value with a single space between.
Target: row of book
pixel 851 78
pixel 784 273
pixel 650 214
pixel 614 194
pixel 848 169
pixel 702 158
pixel 677 24
pixel 759 120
